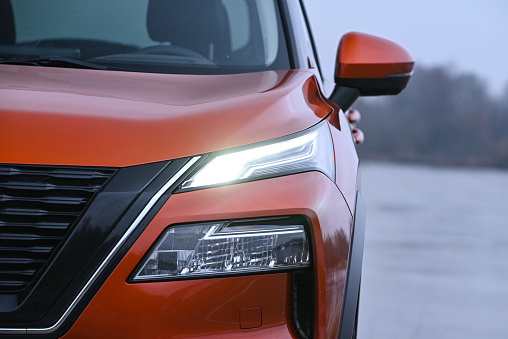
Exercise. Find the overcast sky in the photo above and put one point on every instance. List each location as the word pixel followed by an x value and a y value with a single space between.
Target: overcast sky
pixel 465 35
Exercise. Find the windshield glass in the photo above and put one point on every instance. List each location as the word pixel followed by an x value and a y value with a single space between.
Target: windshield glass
pixel 166 36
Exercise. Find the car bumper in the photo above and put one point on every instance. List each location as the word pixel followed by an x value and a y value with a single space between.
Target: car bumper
pixel 257 305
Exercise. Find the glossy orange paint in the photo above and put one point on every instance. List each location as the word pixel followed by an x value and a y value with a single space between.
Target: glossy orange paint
pixel 366 56
pixel 107 118
pixel 346 172
pixel 210 307
pixel 315 98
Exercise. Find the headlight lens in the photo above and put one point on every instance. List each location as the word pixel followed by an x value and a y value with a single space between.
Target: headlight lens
pixel 310 150
pixel 225 248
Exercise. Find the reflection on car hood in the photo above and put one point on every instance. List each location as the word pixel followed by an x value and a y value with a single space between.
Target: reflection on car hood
pixel 106 118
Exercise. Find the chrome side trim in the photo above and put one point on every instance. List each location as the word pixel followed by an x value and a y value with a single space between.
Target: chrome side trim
pixel 100 269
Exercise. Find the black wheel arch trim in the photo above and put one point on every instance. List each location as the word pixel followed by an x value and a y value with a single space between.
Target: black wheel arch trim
pixel 354 272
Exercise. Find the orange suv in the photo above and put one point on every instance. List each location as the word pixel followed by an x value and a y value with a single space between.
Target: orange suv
pixel 180 169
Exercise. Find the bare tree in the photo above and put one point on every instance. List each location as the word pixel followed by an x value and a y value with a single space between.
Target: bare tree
pixel 441 118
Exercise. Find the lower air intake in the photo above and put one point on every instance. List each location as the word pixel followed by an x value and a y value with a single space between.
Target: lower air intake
pixel 303 303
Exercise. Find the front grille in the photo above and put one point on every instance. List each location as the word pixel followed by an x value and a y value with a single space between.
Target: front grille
pixel 38 206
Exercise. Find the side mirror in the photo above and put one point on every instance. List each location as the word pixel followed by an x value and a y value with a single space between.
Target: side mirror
pixel 368 65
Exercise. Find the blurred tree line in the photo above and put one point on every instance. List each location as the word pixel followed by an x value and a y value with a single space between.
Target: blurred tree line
pixel 442 117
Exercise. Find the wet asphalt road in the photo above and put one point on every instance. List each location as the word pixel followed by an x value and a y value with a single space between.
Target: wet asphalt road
pixel 436 253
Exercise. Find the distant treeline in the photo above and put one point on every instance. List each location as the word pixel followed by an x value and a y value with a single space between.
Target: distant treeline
pixel 442 117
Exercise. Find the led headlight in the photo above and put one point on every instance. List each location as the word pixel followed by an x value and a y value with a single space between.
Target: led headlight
pixel 306 151
pixel 225 248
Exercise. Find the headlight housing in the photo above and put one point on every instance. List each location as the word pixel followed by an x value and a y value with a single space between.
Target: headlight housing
pixel 227 248
pixel 309 150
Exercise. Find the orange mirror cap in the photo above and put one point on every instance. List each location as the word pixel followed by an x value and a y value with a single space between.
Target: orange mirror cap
pixel 366 56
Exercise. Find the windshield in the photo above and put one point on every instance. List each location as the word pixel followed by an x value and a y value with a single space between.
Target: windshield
pixel 164 36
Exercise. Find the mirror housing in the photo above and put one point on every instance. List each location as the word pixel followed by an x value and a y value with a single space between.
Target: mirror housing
pixel 368 65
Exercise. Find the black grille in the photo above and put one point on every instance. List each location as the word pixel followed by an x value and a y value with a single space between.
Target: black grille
pixel 38 206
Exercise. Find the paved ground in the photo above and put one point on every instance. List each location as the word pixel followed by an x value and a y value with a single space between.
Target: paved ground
pixel 436 253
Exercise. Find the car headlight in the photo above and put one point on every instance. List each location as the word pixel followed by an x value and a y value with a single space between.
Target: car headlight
pixel 227 248
pixel 305 151
pixel 242 246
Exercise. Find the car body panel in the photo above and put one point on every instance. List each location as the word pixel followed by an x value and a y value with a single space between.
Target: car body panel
pixel 108 118
pixel 346 172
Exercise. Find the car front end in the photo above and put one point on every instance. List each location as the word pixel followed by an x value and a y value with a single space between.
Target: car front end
pixel 182 178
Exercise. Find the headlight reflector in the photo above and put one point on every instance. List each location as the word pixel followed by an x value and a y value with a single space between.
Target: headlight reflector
pixel 225 248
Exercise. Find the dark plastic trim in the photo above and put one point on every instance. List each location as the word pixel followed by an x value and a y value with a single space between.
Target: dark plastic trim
pixel 352 291
pixel 391 85
pixel 344 97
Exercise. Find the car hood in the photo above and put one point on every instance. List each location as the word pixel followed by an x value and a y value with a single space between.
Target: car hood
pixel 107 118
